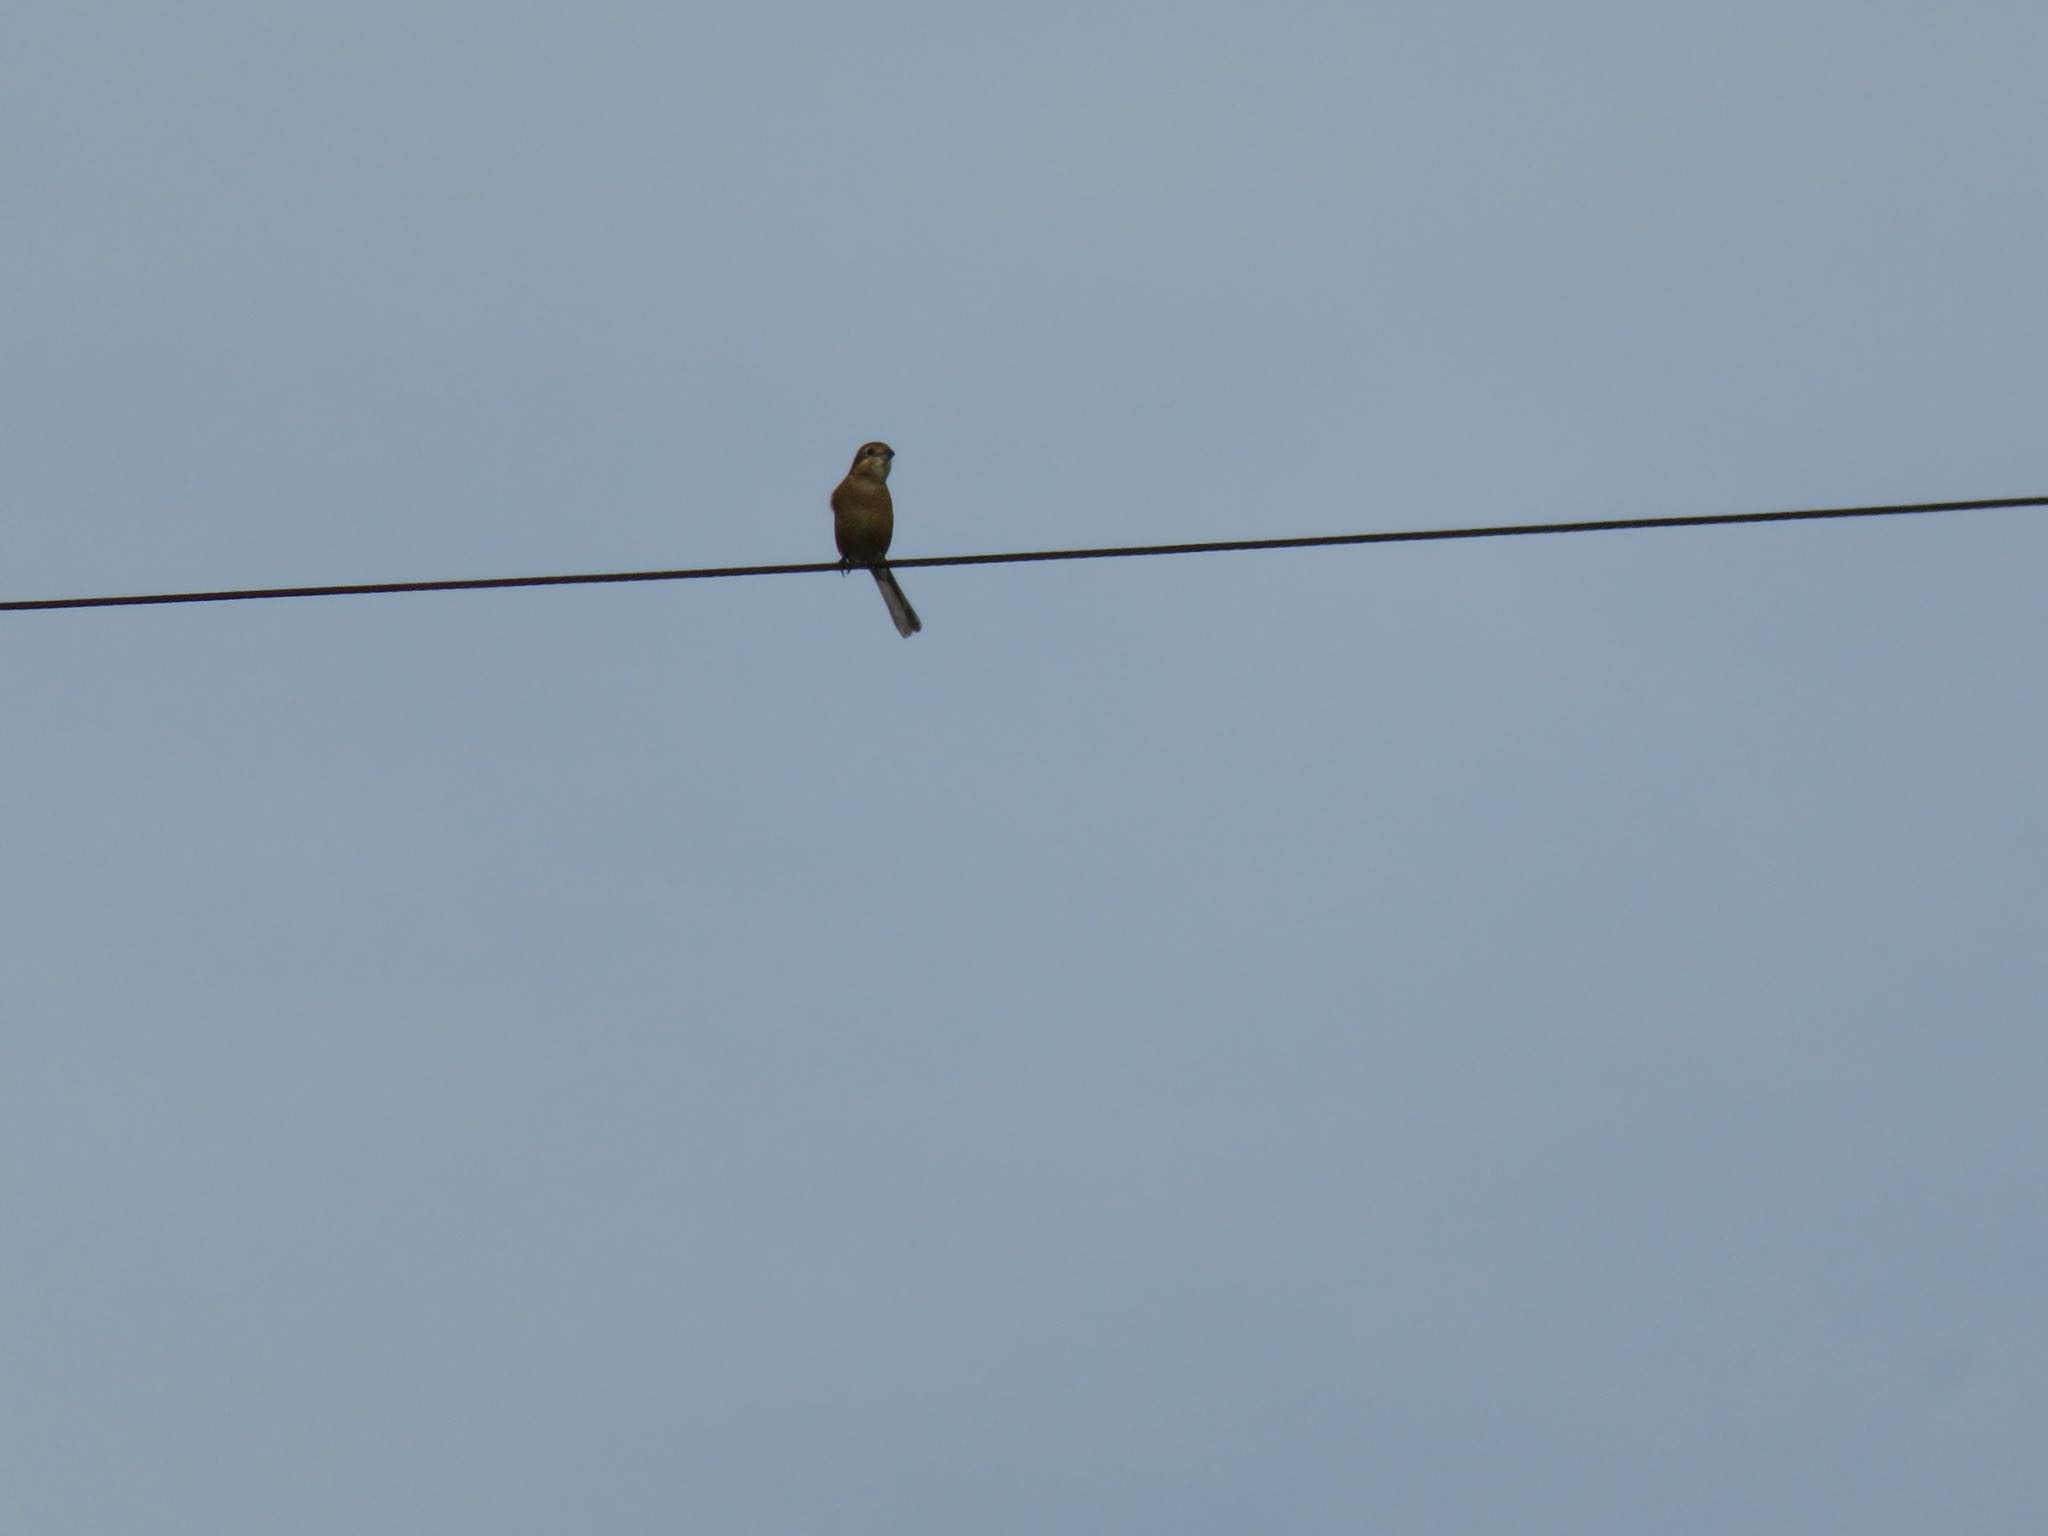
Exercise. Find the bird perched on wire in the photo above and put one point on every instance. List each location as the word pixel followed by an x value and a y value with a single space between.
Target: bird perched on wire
pixel 863 519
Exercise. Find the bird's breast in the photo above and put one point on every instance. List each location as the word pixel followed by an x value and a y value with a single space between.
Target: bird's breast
pixel 863 518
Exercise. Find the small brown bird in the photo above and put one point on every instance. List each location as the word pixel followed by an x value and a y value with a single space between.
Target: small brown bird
pixel 863 519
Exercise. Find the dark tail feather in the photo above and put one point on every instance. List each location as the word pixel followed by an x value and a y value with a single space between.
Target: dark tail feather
pixel 907 621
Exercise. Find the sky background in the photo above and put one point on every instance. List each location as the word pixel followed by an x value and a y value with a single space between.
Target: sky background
pixel 1533 1035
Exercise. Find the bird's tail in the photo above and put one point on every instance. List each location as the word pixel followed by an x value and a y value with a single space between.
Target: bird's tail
pixel 907 621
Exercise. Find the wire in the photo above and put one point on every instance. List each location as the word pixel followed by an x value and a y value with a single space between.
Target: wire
pixel 1118 552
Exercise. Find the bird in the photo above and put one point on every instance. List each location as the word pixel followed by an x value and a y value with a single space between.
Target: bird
pixel 863 518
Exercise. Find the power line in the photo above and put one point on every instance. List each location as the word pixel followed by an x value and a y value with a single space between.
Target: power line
pixel 1118 552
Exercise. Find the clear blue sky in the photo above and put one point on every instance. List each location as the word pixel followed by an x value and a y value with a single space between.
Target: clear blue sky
pixel 1537 1036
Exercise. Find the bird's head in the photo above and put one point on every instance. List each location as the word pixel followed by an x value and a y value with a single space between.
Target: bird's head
pixel 873 459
